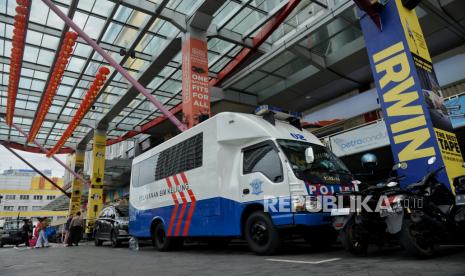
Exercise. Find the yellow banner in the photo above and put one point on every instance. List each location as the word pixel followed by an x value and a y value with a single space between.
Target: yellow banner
pixel 413 33
pixel 451 154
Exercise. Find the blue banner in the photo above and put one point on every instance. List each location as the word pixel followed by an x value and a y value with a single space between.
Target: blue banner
pixel 416 119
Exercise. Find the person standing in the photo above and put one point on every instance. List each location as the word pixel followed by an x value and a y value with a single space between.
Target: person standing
pixel 26 231
pixel 67 230
pixel 75 228
pixel 42 240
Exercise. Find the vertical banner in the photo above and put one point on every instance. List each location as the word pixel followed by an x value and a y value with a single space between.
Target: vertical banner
pixel 195 87
pixel 95 200
pixel 417 121
pixel 76 186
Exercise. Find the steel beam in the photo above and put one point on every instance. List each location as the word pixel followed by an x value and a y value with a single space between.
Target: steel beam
pixel 159 63
pixel 44 150
pixel 63 119
pixel 38 67
pixel 258 40
pixel 307 72
pixel 35 169
pixel 303 31
pixel 118 67
pixel 22 147
pixel 174 17
pixel 202 18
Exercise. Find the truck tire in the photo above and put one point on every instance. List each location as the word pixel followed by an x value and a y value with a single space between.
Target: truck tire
pixel 351 241
pixel 410 240
pixel 162 242
pixel 261 235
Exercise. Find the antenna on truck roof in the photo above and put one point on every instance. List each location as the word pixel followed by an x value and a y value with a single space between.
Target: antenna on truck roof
pixel 271 113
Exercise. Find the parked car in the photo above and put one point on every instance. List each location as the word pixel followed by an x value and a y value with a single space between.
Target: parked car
pixel 112 225
pixel 12 233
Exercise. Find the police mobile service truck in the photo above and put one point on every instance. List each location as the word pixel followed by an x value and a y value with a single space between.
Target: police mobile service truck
pixel 234 175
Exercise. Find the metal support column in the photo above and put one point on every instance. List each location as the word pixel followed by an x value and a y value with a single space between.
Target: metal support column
pixel 95 200
pixel 76 186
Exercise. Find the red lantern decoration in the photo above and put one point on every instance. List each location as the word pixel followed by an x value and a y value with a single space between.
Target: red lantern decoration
pixel 52 87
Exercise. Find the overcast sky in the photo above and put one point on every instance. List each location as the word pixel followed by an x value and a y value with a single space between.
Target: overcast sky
pixel 40 161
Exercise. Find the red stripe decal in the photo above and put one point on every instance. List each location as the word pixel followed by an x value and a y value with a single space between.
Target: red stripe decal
pixel 184 178
pixel 191 207
pixel 183 209
pixel 175 210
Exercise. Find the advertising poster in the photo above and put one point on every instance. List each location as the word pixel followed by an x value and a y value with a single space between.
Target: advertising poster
pixel 456 108
pixel 195 87
pixel 409 94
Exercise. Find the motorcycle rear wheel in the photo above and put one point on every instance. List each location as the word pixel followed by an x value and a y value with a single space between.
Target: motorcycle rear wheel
pixel 352 241
pixel 412 239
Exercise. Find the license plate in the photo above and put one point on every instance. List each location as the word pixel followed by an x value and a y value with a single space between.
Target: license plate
pixel 460 199
pixel 340 212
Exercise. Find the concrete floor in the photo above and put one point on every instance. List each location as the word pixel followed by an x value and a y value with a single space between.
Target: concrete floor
pixel 295 259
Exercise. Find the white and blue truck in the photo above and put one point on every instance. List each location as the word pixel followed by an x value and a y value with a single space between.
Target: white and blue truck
pixel 236 175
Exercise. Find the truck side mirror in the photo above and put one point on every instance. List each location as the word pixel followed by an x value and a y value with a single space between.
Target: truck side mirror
pixel 309 155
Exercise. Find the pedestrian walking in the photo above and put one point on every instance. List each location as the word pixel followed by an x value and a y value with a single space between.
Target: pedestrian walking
pixel 75 229
pixel 42 239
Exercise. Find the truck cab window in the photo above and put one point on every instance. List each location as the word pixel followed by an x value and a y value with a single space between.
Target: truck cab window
pixel 263 159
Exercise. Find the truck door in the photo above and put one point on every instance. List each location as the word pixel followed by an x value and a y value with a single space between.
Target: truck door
pixel 263 178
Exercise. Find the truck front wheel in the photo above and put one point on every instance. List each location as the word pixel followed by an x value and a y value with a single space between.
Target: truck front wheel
pixel 261 235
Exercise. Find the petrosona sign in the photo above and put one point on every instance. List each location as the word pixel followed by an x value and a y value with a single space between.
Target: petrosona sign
pixel 361 139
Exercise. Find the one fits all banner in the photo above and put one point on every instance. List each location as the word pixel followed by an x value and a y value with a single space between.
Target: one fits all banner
pixel 410 97
pixel 195 87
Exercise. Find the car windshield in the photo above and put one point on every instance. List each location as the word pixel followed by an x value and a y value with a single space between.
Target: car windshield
pixel 122 212
pixel 14 225
pixel 325 161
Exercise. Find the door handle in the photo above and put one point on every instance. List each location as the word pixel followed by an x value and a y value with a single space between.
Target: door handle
pixel 245 191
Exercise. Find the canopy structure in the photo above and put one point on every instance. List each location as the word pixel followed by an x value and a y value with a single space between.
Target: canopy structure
pixel 259 52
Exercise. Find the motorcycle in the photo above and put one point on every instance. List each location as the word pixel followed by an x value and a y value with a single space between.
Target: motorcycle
pixel 428 214
pixel 359 227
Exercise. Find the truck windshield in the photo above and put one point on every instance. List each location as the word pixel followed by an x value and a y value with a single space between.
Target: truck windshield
pixel 325 161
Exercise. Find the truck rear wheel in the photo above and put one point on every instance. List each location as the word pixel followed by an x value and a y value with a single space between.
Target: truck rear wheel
pixel 261 235
pixel 162 242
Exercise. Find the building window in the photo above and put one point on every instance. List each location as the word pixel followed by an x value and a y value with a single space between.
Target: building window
pixel 38 197
pixel 36 208
pixel 8 208
pixel 10 197
pixel 24 197
pixel 50 197
pixel 22 208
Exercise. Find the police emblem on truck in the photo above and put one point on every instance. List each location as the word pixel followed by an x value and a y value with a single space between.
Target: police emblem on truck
pixel 256 185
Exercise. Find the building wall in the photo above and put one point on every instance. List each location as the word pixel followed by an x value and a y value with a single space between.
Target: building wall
pixel 25 195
